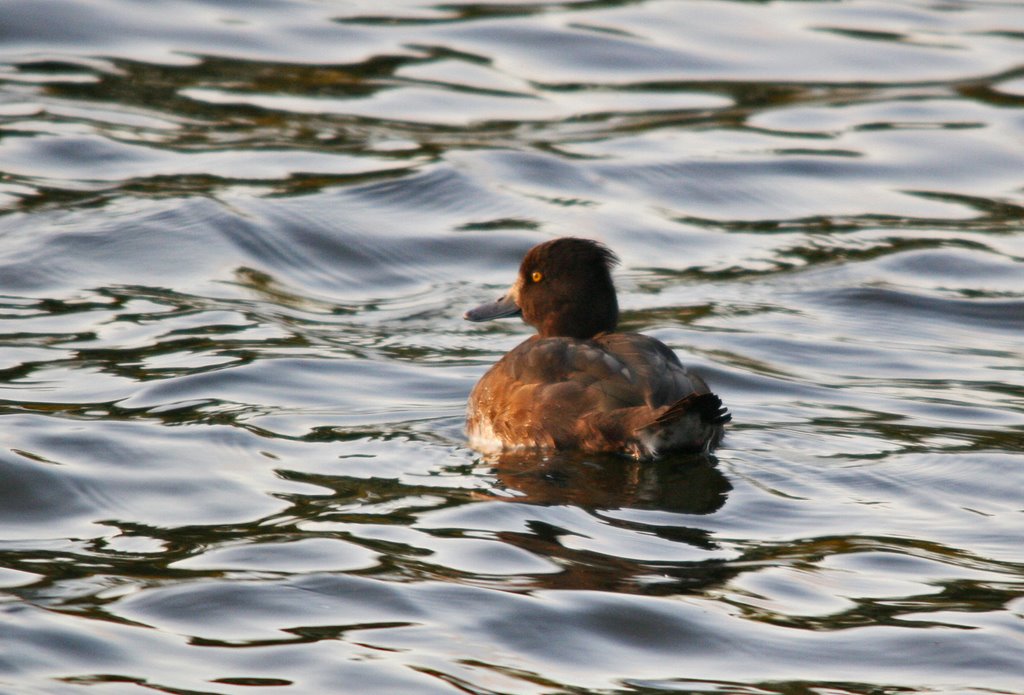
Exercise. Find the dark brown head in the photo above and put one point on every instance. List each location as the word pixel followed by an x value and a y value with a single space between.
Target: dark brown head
pixel 564 288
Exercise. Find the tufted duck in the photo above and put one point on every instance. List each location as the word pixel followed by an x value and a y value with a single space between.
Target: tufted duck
pixel 578 384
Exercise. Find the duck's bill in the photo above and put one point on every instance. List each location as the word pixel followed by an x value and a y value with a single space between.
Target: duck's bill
pixel 498 309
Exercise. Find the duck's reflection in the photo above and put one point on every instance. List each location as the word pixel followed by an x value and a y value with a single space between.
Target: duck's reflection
pixel 683 484
pixel 688 484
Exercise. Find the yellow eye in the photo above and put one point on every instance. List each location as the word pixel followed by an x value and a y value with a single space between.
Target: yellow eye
pixel 537 276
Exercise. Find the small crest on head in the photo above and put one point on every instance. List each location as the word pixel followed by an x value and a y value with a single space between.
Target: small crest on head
pixel 569 252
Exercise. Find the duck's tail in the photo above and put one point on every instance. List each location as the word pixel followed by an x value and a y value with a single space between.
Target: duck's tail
pixel 707 406
pixel 693 423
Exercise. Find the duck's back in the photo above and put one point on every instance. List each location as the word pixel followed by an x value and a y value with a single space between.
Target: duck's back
pixel 622 392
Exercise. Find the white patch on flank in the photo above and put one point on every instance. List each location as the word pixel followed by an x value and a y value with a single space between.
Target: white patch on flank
pixel 483 438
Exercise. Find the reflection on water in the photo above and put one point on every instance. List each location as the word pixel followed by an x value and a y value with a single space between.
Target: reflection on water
pixel 237 242
pixel 684 484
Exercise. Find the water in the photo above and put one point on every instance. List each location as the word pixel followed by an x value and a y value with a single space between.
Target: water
pixel 236 241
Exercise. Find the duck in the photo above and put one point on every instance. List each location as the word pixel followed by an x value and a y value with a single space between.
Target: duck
pixel 578 383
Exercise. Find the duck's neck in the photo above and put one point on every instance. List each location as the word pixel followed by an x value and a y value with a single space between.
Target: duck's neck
pixel 602 316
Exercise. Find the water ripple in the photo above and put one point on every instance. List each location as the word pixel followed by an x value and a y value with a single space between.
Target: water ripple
pixel 237 242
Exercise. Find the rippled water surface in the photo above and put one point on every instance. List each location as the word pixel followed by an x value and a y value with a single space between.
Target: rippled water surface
pixel 236 242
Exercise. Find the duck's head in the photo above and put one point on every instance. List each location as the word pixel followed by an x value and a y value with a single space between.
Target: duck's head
pixel 564 288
